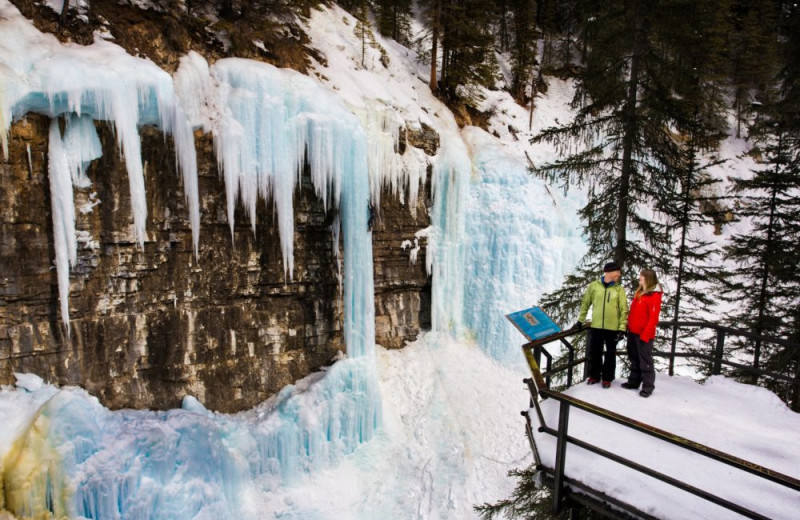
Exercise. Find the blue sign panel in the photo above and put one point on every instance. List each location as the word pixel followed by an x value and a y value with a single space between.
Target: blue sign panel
pixel 533 323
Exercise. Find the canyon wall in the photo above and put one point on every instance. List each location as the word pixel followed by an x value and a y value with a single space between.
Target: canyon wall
pixel 151 325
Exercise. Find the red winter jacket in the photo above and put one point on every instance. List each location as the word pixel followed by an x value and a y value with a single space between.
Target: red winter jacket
pixel 643 316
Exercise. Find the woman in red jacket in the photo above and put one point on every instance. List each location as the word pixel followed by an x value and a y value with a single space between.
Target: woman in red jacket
pixel 642 321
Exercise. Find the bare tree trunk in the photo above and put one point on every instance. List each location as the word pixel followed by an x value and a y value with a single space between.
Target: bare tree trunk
pixel 621 231
pixel 684 222
pixel 62 21
pixel 435 45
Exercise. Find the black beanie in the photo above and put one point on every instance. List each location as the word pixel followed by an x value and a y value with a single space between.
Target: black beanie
pixel 611 266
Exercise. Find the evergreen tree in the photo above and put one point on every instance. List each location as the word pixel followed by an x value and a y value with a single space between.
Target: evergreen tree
pixel 523 51
pixel 561 21
pixel 362 30
pixel 627 152
pixel 394 19
pixel 753 54
pixel 467 48
pixel 788 360
pixel 464 30
pixel 529 501
pixel 432 16
pixel 764 284
pixel 698 107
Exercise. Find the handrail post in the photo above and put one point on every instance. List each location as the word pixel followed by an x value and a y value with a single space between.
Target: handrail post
pixel 561 453
pixel 672 349
pixel 570 359
pixel 720 347
pixel 549 366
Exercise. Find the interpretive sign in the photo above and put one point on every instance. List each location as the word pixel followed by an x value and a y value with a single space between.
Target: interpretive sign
pixel 533 323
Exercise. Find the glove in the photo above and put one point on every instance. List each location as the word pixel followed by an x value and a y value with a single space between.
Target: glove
pixel 620 336
pixel 577 325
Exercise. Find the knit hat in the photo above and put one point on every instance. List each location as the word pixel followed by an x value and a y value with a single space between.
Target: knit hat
pixel 611 266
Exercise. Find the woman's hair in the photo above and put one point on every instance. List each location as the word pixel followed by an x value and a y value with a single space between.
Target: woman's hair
pixel 650 282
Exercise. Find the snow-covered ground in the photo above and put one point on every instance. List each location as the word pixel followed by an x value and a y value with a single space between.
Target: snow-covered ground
pixel 741 420
pixel 452 430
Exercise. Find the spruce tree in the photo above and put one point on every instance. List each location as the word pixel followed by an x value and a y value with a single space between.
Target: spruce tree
pixel 394 19
pixel 698 108
pixel 753 54
pixel 461 31
pixel 529 501
pixel 764 284
pixel 362 29
pixel 619 146
pixel 523 50
pixel 761 284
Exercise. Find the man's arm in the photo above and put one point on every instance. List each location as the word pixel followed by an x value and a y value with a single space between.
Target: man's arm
pixel 623 311
pixel 586 302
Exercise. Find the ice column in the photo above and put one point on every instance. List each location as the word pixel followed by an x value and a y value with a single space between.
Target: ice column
pixel 272 122
pixel 447 241
pixel 523 240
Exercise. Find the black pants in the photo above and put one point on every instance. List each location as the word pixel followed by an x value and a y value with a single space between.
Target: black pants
pixel 641 355
pixel 602 367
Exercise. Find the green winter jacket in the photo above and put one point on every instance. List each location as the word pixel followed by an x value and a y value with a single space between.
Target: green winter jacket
pixel 609 306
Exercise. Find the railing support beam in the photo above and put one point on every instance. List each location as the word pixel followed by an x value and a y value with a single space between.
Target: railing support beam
pixel 561 456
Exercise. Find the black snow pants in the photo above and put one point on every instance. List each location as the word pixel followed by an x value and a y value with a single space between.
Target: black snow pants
pixel 601 367
pixel 640 354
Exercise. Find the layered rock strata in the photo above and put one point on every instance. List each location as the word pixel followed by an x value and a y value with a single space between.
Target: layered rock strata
pixel 151 325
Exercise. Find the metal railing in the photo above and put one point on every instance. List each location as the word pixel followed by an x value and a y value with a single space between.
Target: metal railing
pixel 563 488
pixel 563 439
pixel 715 357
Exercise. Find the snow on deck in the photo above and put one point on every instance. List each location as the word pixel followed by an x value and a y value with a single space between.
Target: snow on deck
pixel 741 420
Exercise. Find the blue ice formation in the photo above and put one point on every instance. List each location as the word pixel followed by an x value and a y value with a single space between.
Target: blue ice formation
pixel 80 460
pixel 268 123
pixel 447 241
pixel 523 240
pixel 195 464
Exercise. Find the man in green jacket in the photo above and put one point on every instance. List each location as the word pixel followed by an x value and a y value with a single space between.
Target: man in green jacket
pixel 609 305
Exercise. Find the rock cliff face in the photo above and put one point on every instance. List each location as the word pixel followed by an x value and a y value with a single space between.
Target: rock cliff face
pixel 151 325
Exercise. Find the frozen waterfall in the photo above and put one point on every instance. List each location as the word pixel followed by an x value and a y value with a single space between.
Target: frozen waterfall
pixel 99 82
pixel 490 251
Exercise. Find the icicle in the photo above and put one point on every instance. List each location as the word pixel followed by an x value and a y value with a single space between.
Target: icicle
pixel 5 117
pixel 415 169
pixel 102 82
pixel 447 241
pixel 336 229
pixel 30 160
pixel 382 128
pixel 82 145
pixel 63 209
pixel 186 157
